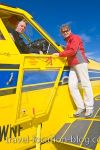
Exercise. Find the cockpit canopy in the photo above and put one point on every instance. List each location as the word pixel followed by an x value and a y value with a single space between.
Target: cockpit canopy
pixel 34 36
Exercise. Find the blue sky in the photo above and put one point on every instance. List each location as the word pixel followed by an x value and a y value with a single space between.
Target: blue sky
pixel 82 15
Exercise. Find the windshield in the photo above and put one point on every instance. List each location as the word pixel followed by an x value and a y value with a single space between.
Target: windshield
pixel 35 40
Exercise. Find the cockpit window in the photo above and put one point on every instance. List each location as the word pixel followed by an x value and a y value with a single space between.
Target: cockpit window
pixel 27 38
pixel 33 39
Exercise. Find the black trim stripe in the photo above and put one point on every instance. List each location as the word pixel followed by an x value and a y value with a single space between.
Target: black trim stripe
pixel 7 92
pixel 60 84
pixel 37 87
pixel 94 79
pixel 9 66
pixel 66 68
pixel 94 70
pixel 92 136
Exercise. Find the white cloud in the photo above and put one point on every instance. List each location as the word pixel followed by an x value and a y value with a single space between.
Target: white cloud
pixel 98 59
pixel 85 38
pixel 89 54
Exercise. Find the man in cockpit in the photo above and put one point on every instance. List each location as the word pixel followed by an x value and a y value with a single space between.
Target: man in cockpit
pixel 16 36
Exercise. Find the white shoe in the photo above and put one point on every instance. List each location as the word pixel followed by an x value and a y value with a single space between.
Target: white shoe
pixel 89 113
pixel 78 112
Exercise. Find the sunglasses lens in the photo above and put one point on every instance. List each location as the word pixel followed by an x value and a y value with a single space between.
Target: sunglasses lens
pixel 65 31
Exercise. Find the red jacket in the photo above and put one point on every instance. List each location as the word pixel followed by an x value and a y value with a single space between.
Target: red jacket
pixel 74 50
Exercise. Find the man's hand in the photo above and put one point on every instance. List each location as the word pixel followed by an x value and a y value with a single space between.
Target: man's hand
pixel 56 54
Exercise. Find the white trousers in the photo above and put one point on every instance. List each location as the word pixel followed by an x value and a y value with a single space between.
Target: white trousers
pixel 80 72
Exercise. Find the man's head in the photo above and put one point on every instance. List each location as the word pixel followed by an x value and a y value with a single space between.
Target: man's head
pixel 65 30
pixel 21 26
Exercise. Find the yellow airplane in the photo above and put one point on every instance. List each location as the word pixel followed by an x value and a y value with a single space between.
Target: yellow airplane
pixel 36 109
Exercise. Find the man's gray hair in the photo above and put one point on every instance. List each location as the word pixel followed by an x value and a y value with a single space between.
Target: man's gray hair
pixel 23 20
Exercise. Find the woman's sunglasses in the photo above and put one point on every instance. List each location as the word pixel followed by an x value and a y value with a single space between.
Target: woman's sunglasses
pixel 64 31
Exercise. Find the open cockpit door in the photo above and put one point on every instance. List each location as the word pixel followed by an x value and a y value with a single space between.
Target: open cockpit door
pixel 40 81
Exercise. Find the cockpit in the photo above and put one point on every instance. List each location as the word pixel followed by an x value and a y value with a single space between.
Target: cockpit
pixel 33 37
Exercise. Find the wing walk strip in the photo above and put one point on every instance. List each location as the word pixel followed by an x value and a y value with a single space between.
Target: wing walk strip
pixel 83 133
